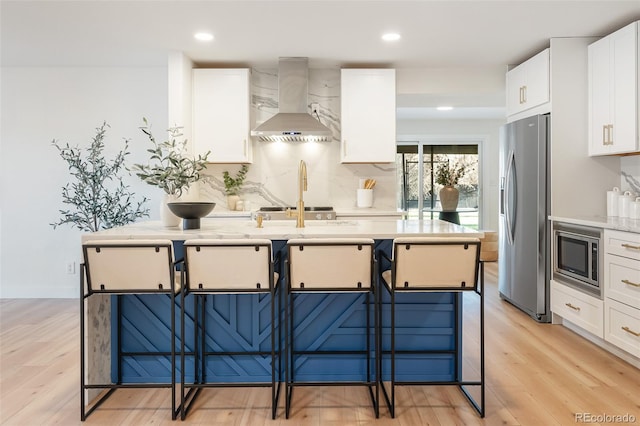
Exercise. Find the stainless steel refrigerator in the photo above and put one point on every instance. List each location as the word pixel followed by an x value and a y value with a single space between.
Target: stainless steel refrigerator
pixel 523 272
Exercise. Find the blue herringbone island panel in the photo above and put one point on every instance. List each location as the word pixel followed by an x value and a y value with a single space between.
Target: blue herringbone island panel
pixel 322 322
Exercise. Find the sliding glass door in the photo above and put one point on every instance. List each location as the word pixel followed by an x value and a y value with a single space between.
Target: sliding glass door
pixel 418 184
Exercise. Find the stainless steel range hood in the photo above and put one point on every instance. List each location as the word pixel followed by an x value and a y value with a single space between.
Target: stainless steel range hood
pixel 292 122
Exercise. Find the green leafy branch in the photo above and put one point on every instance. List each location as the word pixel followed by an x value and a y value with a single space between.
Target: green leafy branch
pixel 98 197
pixel 232 186
pixel 169 168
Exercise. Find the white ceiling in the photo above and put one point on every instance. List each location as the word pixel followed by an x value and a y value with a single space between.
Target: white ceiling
pixel 435 34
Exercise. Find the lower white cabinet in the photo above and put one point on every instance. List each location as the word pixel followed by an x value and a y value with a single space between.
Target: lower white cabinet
pixel 579 308
pixel 622 326
pixel 622 290
pixel 622 280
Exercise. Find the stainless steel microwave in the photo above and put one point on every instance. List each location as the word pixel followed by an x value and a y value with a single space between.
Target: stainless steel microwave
pixel 577 256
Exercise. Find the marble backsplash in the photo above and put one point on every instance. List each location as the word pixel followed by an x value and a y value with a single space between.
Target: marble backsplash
pixel 630 170
pixel 273 177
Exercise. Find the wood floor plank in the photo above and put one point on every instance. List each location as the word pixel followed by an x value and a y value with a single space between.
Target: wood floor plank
pixel 537 374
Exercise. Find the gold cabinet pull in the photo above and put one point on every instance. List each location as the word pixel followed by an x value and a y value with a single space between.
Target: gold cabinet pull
pixel 520 95
pixel 604 134
pixel 524 94
pixel 631 283
pixel 610 134
pixel 630 331
pixel 575 308
pixel 630 246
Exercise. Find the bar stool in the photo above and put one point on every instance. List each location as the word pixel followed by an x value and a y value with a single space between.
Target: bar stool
pixel 127 267
pixel 342 265
pixel 436 265
pixel 217 267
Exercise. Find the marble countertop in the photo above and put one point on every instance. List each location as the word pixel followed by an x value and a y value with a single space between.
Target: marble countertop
pixel 604 222
pixel 286 229
pixel 355 212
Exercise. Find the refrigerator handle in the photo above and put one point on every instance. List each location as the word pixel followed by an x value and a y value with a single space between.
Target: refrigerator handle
pixel 507 201
pixel 502 179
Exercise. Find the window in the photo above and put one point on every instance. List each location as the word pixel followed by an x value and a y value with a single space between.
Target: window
pixel 418 191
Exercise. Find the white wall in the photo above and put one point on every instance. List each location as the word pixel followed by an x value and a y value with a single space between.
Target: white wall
pixel 578 182
pixel 486 130
pixel 42 104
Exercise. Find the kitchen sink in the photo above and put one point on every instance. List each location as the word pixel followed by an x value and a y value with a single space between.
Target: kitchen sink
pixel 311 213
pixel 307 209
pixel 308 223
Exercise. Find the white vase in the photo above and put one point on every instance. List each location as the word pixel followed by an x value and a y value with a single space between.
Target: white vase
pixel 449 198
pixel 231 201
pixel 168 219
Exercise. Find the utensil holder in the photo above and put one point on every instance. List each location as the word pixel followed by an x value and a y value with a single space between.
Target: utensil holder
pixel 364 198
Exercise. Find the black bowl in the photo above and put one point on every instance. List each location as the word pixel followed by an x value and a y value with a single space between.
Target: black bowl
pixel 191 212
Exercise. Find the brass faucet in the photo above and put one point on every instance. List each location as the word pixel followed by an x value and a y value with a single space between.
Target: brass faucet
pixel 302 186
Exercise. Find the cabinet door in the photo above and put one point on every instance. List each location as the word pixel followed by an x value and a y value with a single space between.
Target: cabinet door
pixel 581 309
pixel 221 106
pixel 624 89
pixel 368 108
pixel 599 97
pixel 536 89
pixel 622 326
pixel 515 85
pixel 613 89
pixel 528 84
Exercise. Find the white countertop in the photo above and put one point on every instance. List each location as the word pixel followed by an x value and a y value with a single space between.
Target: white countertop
pixel 356 212
pixel 286 229
pixel 604 222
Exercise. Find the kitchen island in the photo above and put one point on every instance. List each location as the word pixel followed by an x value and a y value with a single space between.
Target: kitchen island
pixel 330 322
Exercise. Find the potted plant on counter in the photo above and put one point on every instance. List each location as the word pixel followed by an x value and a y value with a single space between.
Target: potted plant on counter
pixel 232 186
pixel 170 169
pixel 448 175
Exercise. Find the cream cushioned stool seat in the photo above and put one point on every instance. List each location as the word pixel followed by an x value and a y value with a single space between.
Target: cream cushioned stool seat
pixel 227 266
pixel 127 267
pixel 331 265
pixel 428 264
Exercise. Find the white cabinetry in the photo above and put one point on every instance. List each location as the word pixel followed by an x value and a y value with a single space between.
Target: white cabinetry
pixel 221 108
pixel 579 308
pixel 528 84
pixel 368 109
pixel 613 93
pixel 622 290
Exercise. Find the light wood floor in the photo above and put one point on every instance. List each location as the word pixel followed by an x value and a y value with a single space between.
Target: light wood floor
pixel 537 374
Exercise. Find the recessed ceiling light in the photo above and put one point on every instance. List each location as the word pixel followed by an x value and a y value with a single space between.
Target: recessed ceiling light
pixel 444 108
pixel 391 37
pixel 203 36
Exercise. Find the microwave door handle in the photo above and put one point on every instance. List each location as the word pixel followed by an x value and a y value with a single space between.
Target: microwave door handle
pixel 508 200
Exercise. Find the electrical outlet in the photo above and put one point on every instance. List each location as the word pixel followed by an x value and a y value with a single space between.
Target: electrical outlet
pixel 71 267
pixel 315 108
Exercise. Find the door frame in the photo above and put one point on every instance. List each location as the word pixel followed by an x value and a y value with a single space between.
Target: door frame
pixel 422 140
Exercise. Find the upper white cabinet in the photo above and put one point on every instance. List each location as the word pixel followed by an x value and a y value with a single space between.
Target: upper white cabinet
pixel 528 84
pixel 368 108
pixel 613 93
pixel 221 120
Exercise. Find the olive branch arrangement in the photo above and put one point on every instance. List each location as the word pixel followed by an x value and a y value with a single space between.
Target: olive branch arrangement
pixel 97 196
pixel 169 168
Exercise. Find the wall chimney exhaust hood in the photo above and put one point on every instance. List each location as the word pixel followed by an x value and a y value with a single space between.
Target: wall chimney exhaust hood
pixel 292 123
